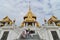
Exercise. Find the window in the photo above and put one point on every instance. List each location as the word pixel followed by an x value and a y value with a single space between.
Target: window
pixel 5 35
pixel 55 36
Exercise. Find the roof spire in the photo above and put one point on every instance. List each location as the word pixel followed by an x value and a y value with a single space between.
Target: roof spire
pixel 29 6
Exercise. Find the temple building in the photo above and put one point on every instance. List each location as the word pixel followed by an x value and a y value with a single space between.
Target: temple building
pixel 30 19
pixel 6 20
pixel 55 20
pixel 30 29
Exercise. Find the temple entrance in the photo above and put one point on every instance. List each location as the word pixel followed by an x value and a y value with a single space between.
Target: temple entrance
pixel 30 24
pixel 29 35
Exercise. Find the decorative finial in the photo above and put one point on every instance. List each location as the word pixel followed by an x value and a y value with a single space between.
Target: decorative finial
pixel 29 6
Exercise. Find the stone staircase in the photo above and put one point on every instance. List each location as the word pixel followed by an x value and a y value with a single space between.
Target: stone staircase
pixel 35 37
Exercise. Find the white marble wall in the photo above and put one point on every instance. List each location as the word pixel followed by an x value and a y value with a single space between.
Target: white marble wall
pixel 44 32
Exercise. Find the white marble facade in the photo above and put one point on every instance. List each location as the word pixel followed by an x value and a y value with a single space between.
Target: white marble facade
pixel 44 32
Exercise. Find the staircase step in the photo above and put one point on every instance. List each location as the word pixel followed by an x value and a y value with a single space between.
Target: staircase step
pixel 35 37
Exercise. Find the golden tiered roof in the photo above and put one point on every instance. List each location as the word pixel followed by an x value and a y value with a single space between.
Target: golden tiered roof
pixel 30 13
pixel 30 16
pixel 6 20
pixel 55 20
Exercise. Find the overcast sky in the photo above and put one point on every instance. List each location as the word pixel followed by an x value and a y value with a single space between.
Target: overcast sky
pixel 17 9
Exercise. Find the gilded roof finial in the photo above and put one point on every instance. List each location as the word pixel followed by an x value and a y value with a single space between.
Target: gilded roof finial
pixel 29 13
pixel 29 6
